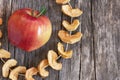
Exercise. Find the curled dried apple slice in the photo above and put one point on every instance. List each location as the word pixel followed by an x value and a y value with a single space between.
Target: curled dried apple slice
pixel 0 44
pixel 14 73
pixel 41 67
pixel 67 54
pixel 6 67
pixel 67 38
pixel 52 60
pixel 1 34
pixel 30 72
pixel 62 1
pixel 4 53
pixel 66 9
pixel 71 27
pixel 1 21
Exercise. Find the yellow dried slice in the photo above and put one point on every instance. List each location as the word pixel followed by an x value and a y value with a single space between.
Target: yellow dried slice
pixel 1 34
pixel 14 73
pixel 30 72
pixel 6 67
pixel 67 38
pixel 52 60
pixel 4 53
pixel 67 54
pixel 0 44
pixel 41 67
pixel 71 27
pixel 1 21
pixel 62 1
pixel 66 9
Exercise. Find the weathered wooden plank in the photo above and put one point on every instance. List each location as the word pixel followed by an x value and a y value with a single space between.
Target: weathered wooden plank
pixel 106 21
pixel 5 11
pixel 71 67
pixel 87 55
pixel 1 15
pixel 54 14
pixel 66 69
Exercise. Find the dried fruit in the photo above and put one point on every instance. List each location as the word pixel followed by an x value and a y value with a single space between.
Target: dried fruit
pixel 1 34
pixel 0 44
pixel 6 67
pixel 30 72
pixel 14 73
pixel 67 54
pixel 1 21
pixel 62 1
pixel 52 60
pixel 67 38
pixel 71 27
pixel 4 53
pixel 66 9
pixel 41 67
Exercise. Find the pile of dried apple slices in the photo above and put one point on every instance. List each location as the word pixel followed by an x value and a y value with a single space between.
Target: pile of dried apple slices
pixel 52 56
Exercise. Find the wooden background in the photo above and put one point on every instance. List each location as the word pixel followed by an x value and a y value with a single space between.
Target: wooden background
pixel 96 56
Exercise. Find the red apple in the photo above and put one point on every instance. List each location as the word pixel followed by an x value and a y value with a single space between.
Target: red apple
pixel 28 31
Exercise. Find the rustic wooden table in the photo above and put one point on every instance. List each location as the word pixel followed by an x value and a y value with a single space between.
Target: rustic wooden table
pixel 96 57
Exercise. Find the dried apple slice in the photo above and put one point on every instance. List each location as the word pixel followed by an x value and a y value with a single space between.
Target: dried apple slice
pixel 6 67
pixel 71 27
pixel 0 44
pixel 30 72
pixel 62 1
pixel 66 9
pixel 67 38
pixel 52 60
pixel 67 54
pixel 4 53
pixel 1 21
pixel 14 73
pixel 41 67
pixel 1 34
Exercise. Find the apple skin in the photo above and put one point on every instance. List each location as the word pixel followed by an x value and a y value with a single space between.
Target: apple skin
pixel 28 32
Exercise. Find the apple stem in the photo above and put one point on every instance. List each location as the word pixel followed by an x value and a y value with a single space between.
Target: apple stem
pixel 42 11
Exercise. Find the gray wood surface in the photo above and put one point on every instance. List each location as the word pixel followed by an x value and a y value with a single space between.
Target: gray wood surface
pixel 96 56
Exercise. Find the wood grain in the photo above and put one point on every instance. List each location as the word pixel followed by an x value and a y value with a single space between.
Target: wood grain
pixel 87 55
pixel 96 56
pixel 106 23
